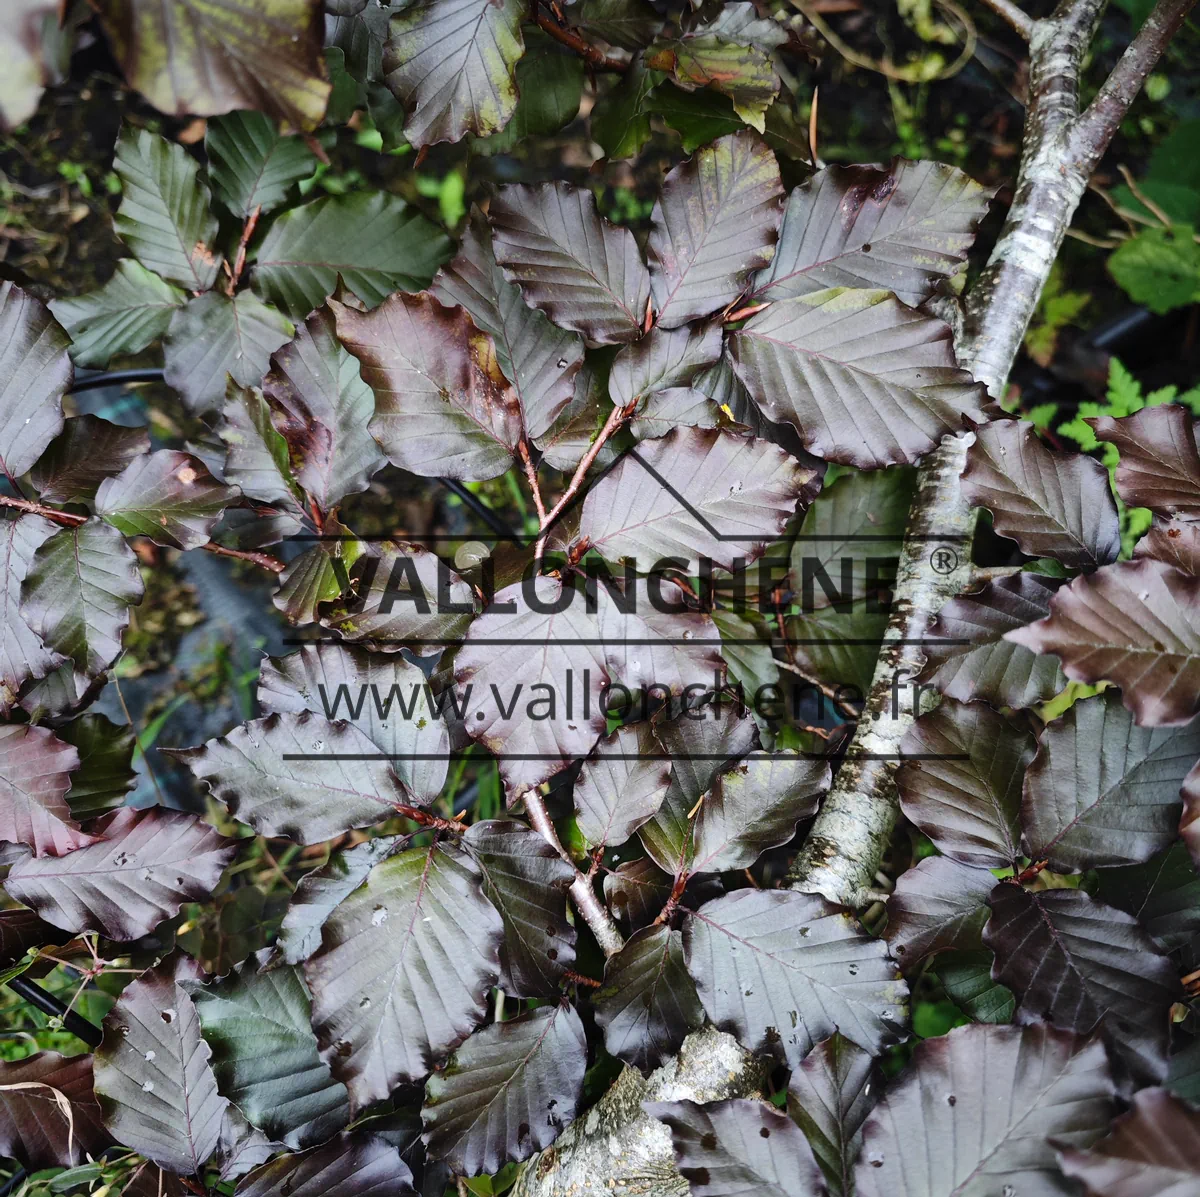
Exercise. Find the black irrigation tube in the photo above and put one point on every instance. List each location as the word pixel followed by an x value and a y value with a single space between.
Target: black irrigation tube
pixel 47 1003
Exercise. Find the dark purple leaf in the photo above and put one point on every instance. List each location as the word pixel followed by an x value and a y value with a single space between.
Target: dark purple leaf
pixel 21 930
pixel 87 451
pixel 256 457
pixel 937 905
pixel 34 1125
pixel 1160 465
pixel 636 891
pixel 352 1165
pixel 1174 542
pixel 22 653
pixel 663 359
pixel 310 580
pixel 621 785
pixel 676 407
pixel 35 767
pixel 1163 895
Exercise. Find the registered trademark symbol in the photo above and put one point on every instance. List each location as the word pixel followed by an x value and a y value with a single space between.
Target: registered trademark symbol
pixel 944 560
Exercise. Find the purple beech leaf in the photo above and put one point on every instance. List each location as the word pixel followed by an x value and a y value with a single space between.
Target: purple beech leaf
pixel 168 497
pixel 968 807
pixel 526 880
pixel 1103 791
pixel 984 1107
pixel 256 455
pixel 404 970
pixel 1174 542
pixel 1160 464
pixel 77 593
pixel 507 1091
pixel 1163 895
pixel 783 970
pixel 299 776
pixel 250 165
pixel 35 768
pixel 1150 1151
pixel 636 891
pixel 578 424
pixel 22 654
pixel 352 1165
pixel 739 1146
pixel 443 406
pixel 621 785
pixel 663 359
pixel 83 455
pixel 904 228
pixel 322 409
pixel 1136 624
pixel 35 371
pixel 676 407
pixel 153 1078
pixel 648 1002
pixel 865 380
pixel 587 275
pixel 240 1148
pixel 830 1095
pixel 146 866
pixel 1052 504
pixel 213 338
pixel 693 494
pixel 937 905
pixel 34 1128
pixel 1189 824
pixel 839 646
pixel 716 220
pixel 985 666
pixel 542 362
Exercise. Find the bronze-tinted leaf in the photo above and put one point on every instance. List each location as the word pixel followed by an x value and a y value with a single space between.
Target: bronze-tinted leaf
pixel 1136 624
pixel 1052 504
pixel 35 767
pixel 1174 542
pixel 938 905
pixel 308 581
pixel 1160 465
pixel 621 785
pixel 34 1128
pixel 352 1165
pixel 664 358
pixel 21 930
pixel 22 653
pixel 87 451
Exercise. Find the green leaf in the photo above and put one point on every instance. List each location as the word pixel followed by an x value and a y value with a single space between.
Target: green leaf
pixel 967 977
pixel 839 647
pixel 620 118
pixel 106 773
pixel 83 455
pixel 1159 267
pixel 256 457
pixel 164 215
pixel 630 24
pixel 125 315
pixel 375 242
pixel 251 166
pixel 699 116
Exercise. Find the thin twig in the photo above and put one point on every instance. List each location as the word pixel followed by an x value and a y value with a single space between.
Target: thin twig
pixel 1009 12
pixel 591 54
pixel 1142 197
pixel 531 475
pixel 239 260
pixel 263 559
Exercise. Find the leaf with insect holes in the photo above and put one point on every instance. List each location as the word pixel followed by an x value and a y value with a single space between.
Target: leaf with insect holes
pixel 1136 624
pixel 507 1091
pixel 322 408
pixel 636 891
pixel 153 1078
pixel 106 773
pixel 1160 465
pixel 22 653
pixel 253 167
pixel 716 221
pixel 147 864
pixel 541 361
pixel 968 658
pixel 167 496
pixel 213 337
pixel 1052 504
pixel 903 227
pixel 526 880
pixel 164 215
pixel 587 275
pixel 664 358
pixel 938 905
pixel 352 1165
pixel 783 970
pixel 695 493
pixel 739 1146
pixel 256 455
pixel 443 407
pixel 1103 791
pixel 124 316
pixel 648 1002
pixel 35 371
pixel 987 1104
pixel 1174 542
pixel 621 785
pixel 864 379
pixel 298 776
pixel 964 790
pixel 420 925
pixel 87 451
pixel 34 1127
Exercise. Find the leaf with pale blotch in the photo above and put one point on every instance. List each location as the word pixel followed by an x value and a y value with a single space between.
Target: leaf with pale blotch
pixel 22 653
pixel 282 775
pixel 648 1002
pixel 739 1146
pixel 1163 894
pixel 443 407
pixel 1174 542
pixel 621 785
pixel 986 1105
pixel 167 496
pixel 124 316
pixel 35 371
pixel 783 970
pixel 1052 504
pixel 964 790
pixel 106 773
pixel 352 1165
pixel 35 767
pixel 526 880
pixel 1160 465
pixel 87 451
pixel 208 57
pixel 715 222
pixel 164 215
pixel 34 1128
pixel 256 455
pixel 1136 624
pixel 251 166
pixel 903 228
pixel 451 64
pixel 587 275
pixel 938 905
pixel 541 361
pixel 662 359
pixel 507 1091
pixel 983 664
pixel 419 926
pixel 865 380
pixel 371 240
pixel 147 864
pixel 213 338
pixel 1103 791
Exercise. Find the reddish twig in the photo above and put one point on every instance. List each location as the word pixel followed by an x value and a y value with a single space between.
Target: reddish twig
pixel 531 475
pixel 589 53
pixel 239 261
